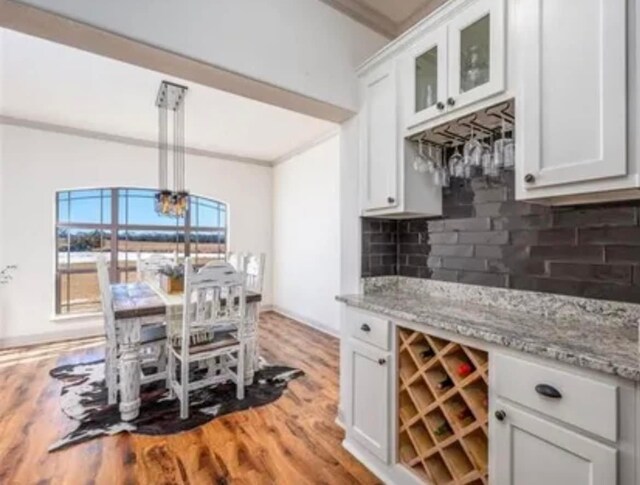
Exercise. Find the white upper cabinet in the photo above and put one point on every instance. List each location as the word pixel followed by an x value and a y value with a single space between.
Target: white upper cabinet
pixel 456 63
pixel 424 71
pixel 476 53
pixel 571 104
pixel 390 187
pixel 379 138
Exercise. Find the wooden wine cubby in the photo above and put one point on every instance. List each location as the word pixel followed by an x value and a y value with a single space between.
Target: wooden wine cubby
pixel 443 429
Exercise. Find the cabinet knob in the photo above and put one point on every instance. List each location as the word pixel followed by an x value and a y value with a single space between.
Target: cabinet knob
pixel 382 361
pixel 529 178
pixel 500 415
pixel 391 200
pixel 440 105
pixel 451 102
pixel 548 391
pixel 365 327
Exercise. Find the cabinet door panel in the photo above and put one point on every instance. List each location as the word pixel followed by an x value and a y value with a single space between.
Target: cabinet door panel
pixel 572 107
pixel 379 138
pixel 424 71
pixel 477 52
pixel 527 450
pixel 369 407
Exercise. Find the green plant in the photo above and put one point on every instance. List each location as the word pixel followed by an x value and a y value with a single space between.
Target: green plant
pixel 172 271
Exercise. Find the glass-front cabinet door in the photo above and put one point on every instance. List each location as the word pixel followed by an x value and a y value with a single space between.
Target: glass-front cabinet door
pixel 425 75
pixel 476 53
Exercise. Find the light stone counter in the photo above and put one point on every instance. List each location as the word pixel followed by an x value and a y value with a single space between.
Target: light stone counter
pixel 595 334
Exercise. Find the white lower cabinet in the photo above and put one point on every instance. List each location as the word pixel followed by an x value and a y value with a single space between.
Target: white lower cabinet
pixel 529 450
pixel 369 397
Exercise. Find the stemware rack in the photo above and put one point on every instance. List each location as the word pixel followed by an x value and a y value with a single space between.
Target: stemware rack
pixel 484 122
pixel 443 430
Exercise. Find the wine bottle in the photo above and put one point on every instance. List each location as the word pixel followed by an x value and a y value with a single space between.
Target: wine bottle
pixel 445 383
pixel 465 369
pixel 427 353
pixel 464 414
pixel 442 429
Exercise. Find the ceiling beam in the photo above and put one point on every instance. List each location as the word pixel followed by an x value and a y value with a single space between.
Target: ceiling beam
pixel 46 25
pixel 365 15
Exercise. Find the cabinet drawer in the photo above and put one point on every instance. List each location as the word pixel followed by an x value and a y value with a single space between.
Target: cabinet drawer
pixel 586 403
pixel 368 328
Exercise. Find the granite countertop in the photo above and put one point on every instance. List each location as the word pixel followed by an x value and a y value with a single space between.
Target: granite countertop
pixel 601 336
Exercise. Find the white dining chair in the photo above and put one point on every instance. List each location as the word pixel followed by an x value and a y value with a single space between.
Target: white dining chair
pixel 214 303
pixel 152 340
pixel 254 269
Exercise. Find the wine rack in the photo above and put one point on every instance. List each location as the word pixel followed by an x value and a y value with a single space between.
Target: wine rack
pixel 442 409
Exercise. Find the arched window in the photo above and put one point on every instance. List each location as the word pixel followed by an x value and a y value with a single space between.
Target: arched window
pixel 120 222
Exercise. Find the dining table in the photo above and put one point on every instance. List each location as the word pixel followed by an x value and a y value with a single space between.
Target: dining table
pixel 146 303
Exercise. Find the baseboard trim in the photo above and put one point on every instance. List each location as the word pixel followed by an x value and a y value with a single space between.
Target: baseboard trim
pixel 309 322
pixel 51 337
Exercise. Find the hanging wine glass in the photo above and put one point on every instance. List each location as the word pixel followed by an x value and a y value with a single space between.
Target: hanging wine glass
pixel 471 146
pixel 420 162
pixel 456 163
pixel 509 150
pixel 432 158
pixel 488 166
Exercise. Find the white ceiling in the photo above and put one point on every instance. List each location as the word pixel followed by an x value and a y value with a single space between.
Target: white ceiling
pixel 52 83
pixel 387 17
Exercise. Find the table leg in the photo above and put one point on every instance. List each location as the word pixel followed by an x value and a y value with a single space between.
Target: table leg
pixel 129 370
pixel 251 340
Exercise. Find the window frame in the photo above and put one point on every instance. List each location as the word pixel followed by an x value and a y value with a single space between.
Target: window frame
pixel 115 226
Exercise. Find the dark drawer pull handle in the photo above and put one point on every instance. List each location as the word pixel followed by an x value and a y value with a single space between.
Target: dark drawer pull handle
pixel 548 391
pixel 365 328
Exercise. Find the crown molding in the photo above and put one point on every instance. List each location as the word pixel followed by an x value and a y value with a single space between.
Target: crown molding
pixel 126 140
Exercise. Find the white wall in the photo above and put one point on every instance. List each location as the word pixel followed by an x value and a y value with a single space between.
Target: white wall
pixel 35 164
pixel 303 46
pixel 306 242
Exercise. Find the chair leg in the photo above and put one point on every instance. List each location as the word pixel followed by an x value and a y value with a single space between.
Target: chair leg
pixel 240 374
pixel 184 389
pixel 111 376
pixel 162 358
pixel 171 371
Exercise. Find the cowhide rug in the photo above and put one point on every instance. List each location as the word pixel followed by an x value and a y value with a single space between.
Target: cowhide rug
pixel 84 399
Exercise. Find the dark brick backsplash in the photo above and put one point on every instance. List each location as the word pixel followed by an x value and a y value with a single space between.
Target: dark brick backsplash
pixel 485 237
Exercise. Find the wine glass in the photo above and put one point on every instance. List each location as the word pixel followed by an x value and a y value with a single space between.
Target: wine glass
pixel 489 168
pixel 456 163
pixel 420 161
pixel 471 146
pixel 504 148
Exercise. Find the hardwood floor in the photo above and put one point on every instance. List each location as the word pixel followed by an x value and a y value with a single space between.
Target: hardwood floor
pixel 291 441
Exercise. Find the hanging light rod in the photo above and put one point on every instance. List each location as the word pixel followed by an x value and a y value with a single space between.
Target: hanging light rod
pixel 174 202
pixel 170 95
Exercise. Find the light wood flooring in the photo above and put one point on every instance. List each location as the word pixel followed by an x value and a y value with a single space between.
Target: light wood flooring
pixel 293 440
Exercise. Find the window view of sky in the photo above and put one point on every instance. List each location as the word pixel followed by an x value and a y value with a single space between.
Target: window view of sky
pixel 135 206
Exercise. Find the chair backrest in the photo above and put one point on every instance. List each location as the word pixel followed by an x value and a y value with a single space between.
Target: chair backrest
pixel 236 260
pixel 254 269
pixel 214 297
pixel 105 298
pixel 252 265
pixel 147 268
